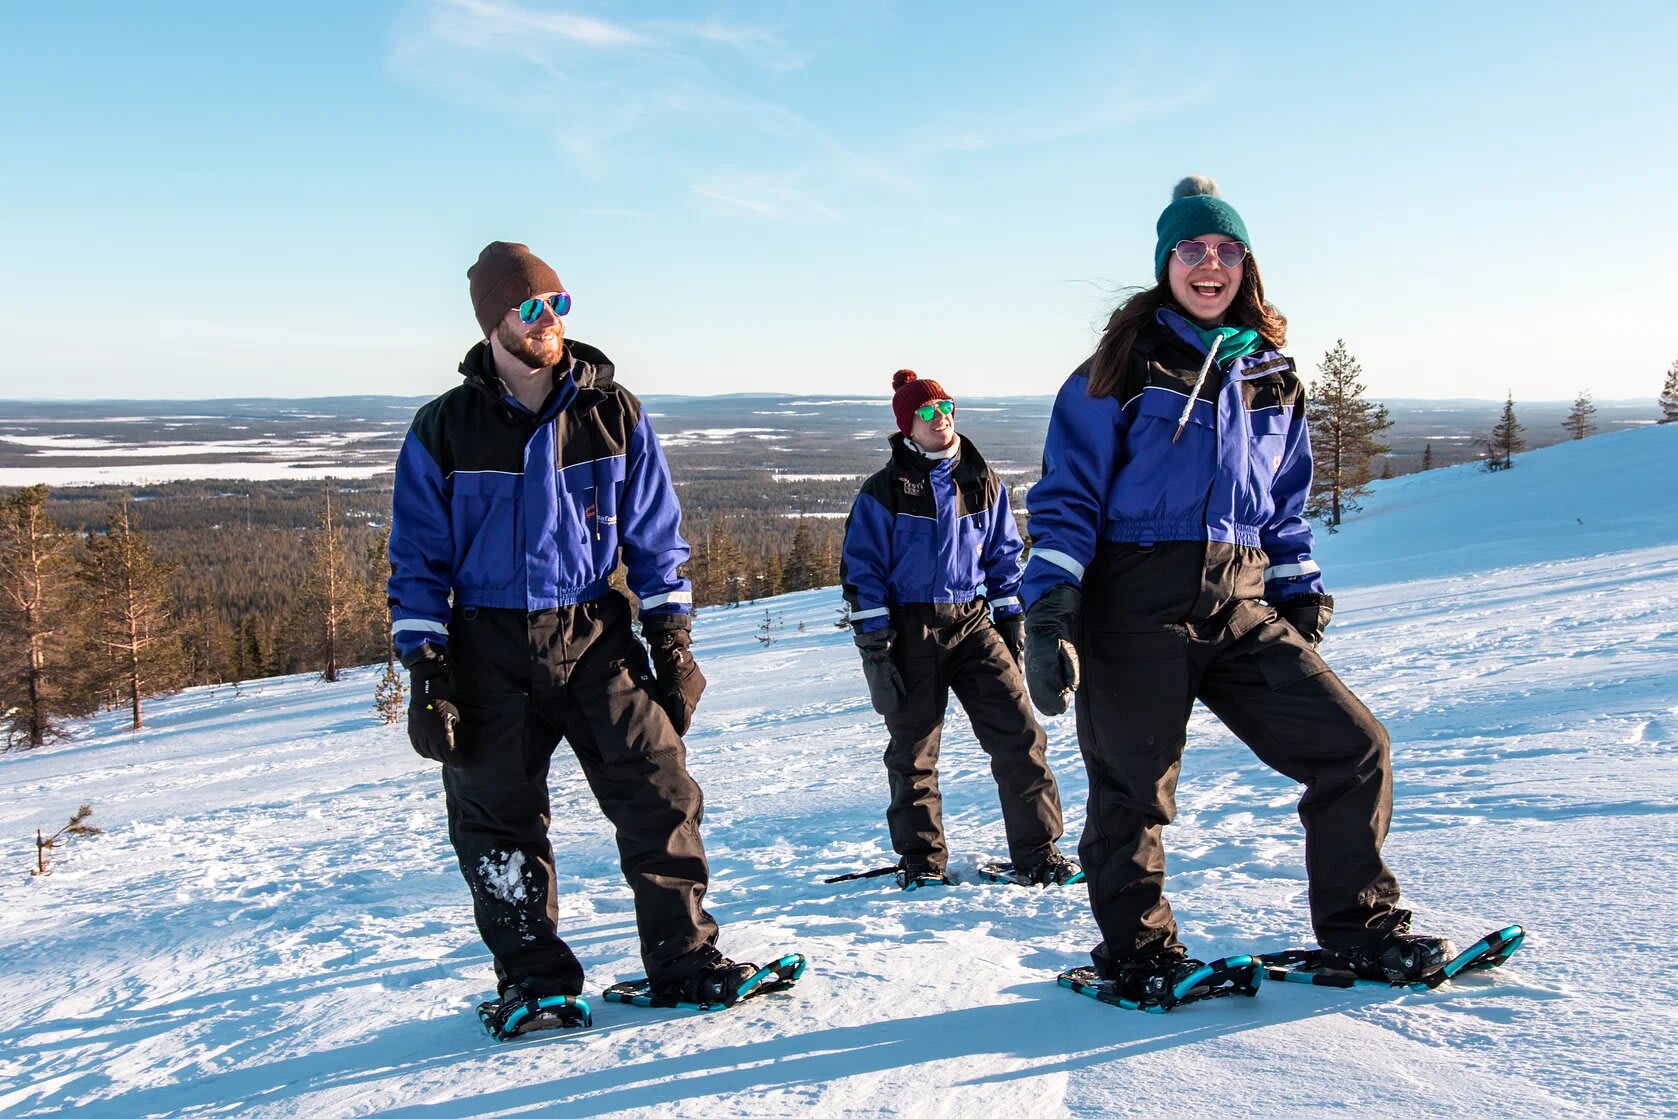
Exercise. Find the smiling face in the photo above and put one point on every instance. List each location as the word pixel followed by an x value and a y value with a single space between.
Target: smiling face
pixel 934 434
pixel 538 344
pixel 1207 289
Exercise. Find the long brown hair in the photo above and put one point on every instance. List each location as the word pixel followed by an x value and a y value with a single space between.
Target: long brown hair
pixel 1249 310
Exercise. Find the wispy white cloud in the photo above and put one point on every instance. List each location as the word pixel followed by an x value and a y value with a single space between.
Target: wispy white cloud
pixel 765 197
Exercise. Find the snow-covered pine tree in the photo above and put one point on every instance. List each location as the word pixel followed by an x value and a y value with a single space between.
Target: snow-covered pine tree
pixel 1345 436
pixel 1669 395
pixel 1427 457
pixel 1505 439
pixel 1579 422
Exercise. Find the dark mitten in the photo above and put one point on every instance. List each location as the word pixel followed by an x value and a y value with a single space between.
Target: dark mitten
pixel 432 716
pixel 1051 658
pixel 680 683
pixel 885 684
pixel 1309 614
pixel 1012 629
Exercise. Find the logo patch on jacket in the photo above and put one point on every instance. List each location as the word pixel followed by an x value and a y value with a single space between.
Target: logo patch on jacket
pixel 912 488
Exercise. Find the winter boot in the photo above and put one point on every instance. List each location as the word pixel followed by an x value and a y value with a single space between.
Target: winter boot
pixel 1396 955
pixel 1056 870
pixel 912 875
pixel 1151 980
pixel 520 1011
pixel 716 979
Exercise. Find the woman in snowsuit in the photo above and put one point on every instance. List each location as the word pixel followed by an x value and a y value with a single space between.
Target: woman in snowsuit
pixel 1170 562
pixel 925 535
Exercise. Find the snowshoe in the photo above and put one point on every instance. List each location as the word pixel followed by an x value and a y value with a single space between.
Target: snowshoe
pixel 1159 985
pixel 918 876
pixel 1056 870
pixel 1392 966
pixel 714 988
pixel 518 1012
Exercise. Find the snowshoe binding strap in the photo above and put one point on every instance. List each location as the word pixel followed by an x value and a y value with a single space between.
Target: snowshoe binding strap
pixel 1319 968
pixel 778 975
pixel 1232 975
pixel 506 1018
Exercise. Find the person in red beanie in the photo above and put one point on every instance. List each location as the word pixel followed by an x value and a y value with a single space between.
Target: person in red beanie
pixel 931 573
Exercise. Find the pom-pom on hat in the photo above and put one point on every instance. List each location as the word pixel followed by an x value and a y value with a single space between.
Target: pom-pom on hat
pixel 910 392
pixel 1196 209
pixel 505 275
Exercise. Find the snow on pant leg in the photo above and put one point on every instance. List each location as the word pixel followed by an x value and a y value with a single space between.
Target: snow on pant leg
pixel 636 764
pixel 1277 695
pixel 498 806
pixel 915 814
pixel 991 690
pixel 1132 713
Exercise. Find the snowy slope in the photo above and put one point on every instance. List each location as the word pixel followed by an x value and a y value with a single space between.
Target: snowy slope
pixel 273 925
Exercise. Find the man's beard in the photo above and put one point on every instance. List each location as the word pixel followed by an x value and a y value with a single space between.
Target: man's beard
pixel 536 348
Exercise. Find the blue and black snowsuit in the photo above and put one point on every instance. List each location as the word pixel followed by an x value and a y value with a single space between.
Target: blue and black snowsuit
pixel 506 527
pixel 931 554
pixel 1182 546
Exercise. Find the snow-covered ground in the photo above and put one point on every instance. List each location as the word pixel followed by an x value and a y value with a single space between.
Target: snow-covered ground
pixel 272 924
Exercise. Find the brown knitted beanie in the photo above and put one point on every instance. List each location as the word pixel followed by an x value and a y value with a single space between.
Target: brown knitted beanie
pixel 506 275
pixel 911 392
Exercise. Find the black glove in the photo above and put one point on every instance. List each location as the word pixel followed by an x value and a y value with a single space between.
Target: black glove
pixel 885 684
pixel 1309 614
pixel 432 715
pixel 1012 629
pixel 680 683
pixel 1051 660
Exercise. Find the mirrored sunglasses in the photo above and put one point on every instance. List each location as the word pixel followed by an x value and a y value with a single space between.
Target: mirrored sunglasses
pixel 531 309
pixel 1230 253
pixel 927 411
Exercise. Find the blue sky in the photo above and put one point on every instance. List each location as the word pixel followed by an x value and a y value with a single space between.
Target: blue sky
pixel 281 200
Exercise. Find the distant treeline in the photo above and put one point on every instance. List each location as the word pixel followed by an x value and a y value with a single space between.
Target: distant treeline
pixel 255 579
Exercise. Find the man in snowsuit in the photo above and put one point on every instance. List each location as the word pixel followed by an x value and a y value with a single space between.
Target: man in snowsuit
pixel 924 536
pixel 515 494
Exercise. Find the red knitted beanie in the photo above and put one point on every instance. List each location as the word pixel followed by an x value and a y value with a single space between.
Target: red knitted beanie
pixel 911 392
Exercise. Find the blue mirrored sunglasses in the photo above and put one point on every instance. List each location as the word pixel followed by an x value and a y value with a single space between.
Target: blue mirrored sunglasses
pixel 531 309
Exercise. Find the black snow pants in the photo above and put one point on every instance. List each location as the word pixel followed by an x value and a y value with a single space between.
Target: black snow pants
pixel 1268 686
pixel 525 681
pixel 940 646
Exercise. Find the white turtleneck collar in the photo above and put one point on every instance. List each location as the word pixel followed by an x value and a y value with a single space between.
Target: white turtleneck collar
pixel 948 452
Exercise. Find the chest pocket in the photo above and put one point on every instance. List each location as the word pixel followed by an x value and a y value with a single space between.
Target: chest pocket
pixel 1268 444
pixel 488 536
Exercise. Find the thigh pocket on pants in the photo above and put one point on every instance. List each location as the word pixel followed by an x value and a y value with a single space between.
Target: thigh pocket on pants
pixel 1283 657
pixel 492 732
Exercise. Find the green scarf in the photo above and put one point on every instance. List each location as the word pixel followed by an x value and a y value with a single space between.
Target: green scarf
pixel 1236 342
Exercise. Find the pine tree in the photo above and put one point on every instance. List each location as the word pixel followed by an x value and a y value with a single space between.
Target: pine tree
pixel 803 564
pixel 1427 457
pixel 1669 395
pixel 1505 439
pixel 388 696
pixel 132 624
pixel 1345 436
pixel 329 590
pixel 1579 423
pixel 36 618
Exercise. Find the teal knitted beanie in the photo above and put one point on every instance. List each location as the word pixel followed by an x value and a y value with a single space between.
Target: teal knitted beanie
pixel 1196 209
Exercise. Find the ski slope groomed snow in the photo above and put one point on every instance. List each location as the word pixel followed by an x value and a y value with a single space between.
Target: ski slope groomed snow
pixel 272 923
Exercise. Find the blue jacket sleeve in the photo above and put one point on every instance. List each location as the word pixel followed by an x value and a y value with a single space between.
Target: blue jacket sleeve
pixel 421 551
pixel 865 564
pixel 1066 507
pixel 1287 539
pixel 650 527
pixel 1001 560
